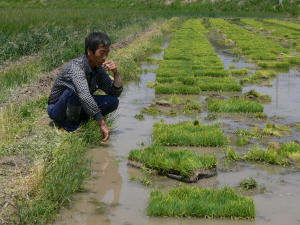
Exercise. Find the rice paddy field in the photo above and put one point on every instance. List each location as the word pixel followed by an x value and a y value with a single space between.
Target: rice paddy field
pixel 207 131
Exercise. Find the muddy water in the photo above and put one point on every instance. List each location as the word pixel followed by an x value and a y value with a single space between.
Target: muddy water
pixel 112 199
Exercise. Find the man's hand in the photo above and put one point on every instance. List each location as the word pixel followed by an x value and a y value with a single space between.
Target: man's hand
pixel 104 130
pixel 111 66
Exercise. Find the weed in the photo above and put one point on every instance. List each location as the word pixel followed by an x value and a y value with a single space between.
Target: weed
pixel 248 184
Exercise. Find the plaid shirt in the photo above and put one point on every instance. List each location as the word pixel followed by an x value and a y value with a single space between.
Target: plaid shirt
pixel 78 76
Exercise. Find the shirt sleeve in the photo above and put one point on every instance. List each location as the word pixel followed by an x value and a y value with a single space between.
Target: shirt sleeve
pixel 105 83
pixel 81 88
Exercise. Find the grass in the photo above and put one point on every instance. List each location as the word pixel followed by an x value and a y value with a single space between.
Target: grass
pixel 268 156
pixel 190 133
pixel 240 72
pixel 61 176
pixel 218 84
pixel 273 64
pixel 201 202
pixel 269 130
pixel 181 162
pixel 177 89
pixel 234 105
pixel 283 154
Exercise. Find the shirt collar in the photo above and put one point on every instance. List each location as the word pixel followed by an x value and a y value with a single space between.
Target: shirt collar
pixel 88 69
pixel 86 65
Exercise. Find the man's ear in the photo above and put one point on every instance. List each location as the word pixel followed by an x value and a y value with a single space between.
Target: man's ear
pixel 89 52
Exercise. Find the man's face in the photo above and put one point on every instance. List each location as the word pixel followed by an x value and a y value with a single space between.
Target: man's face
pixel 99 57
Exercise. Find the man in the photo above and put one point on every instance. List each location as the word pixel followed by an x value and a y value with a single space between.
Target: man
pixel 71 99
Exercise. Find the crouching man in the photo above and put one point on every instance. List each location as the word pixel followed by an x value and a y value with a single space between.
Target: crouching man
pixel 72 98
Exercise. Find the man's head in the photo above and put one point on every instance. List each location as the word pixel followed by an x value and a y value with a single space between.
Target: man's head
pixel 94 39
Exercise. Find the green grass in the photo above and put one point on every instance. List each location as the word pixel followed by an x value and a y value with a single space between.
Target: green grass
pixel 218 84
pixel 268 156
pixel 191 134
pixel 234 105
pixel 273 64
pixel 181 162
pixel 177 89
pixel 240 71
pixel 201 202
pixel 257 132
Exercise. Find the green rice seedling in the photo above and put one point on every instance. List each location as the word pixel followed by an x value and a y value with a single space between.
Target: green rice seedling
pixel 170 80
pixel 172 113
pixel 248 184
pixel 177 89
pixel 151 60
pixel 211 73
pixel 151 84
pixel 268 156
pixel 139 116
pixel 167 72
pixel 254 95
pixel 261 115
pixel 289 148
pixel 256 47
pixel 188 134
pixel 191 107
pixel 231 67
pixel 263 74
pixel 218 84
pixel 240 72
pixel 151 111
pixel 201 202
pixel 231 154
pixel 242 141
pixel 181 162
pixel 257 132
pixel 291 60
pixel 176 100
pixel 204 66
pixel 156 49
pixel 262 56
pixel 177 54
pixel 175 64
pixel 271 64
pixel 234 105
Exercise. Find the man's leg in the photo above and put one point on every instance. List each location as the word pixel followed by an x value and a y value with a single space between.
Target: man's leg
pixel 57 111
pixel 68 110
pixel 106 103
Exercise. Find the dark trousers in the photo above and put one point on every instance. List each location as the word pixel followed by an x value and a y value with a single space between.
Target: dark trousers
pixel 57 111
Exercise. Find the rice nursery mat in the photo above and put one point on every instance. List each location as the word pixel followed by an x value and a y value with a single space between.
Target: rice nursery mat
pixel 179 164
pixel 192 201
pixel 188 133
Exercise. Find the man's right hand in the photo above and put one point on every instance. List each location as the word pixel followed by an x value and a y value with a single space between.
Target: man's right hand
pixel 104 130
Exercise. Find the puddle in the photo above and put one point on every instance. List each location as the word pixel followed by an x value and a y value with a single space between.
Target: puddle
pixel 112 199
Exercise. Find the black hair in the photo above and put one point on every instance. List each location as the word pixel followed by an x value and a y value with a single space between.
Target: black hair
pixel 94 39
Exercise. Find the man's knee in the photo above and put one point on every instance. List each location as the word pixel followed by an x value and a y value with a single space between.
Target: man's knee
pixel 115 103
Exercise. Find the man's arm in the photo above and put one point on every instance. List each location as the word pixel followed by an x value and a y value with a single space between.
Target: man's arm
pixel 110 66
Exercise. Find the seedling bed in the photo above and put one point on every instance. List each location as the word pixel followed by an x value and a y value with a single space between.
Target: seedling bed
pixel 179 164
